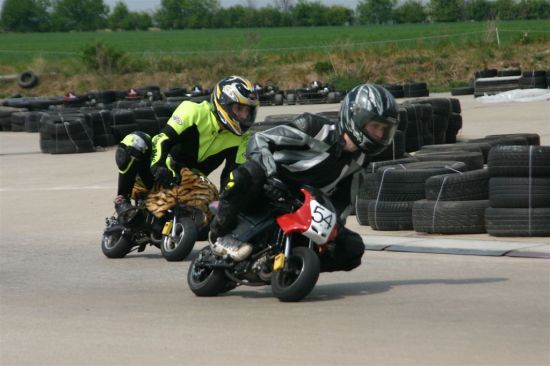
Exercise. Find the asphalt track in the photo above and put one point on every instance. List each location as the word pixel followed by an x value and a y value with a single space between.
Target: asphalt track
pixel 63 303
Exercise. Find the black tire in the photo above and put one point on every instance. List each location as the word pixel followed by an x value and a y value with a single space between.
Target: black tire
pixel 206 282
pixel 449 217
pixel 466 186
pixel 467 90
pixel 291 99
pixel 278 99
pixel 519 192
pixel 298 280
pixel 406 182
pixel 386 215
pixel 362 211
pixel 519 161
pixel 472 159
pixel 27 80
pixel 532 138
pixel 115 245
pixel 280 118
pixel 178 248
pixel 63 146
pixel 518 221
pixel 375 165
pixel 484 147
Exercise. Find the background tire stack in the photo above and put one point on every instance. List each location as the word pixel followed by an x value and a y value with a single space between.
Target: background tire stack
pixel 397 187
pixel 66 133
pixel 534 79
pixel 415 90
pixel 519 191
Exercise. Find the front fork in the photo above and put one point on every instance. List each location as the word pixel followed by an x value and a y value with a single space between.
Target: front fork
pixel 169 228
pixel 281 258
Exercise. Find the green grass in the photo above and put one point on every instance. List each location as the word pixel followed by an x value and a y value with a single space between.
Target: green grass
pixel 21 48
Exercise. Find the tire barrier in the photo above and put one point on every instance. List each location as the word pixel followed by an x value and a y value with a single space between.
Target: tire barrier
pixel 26 121
pixel 449 217
pixel 519 191
pixel 533 79
pixel 413 90
pixel 66 133
pixel 6 116
pixel 394 188
pixel 490 82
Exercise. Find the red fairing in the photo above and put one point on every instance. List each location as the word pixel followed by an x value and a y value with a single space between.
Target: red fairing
pixel 299 220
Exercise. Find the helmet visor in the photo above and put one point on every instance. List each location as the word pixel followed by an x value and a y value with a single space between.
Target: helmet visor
pixel 381 131
pixel 243 114
pixel 376 129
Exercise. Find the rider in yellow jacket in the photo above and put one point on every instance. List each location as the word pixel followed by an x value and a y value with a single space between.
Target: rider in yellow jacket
pixel 197 136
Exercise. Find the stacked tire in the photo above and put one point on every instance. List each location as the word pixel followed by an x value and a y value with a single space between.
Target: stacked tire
pixel 397 187
pixel 414 90
pixel 26 121
pixel 366 190
pixel 446 118
pixel 417 133
pixel 519 191
pixel 534 79
pixel 66 133
pixel 455 204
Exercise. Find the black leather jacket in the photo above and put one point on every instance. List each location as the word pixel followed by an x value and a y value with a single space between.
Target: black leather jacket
pixel 308 151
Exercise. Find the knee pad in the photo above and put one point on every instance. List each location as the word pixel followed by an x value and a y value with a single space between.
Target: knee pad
pixel 122 158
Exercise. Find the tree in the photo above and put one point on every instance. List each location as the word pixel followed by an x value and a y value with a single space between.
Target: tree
pixel 80 15
pixel 534 9
pixel 122 18
pixel 180 14
pixel 339 15
pixel 269 17
pixel 375 11
pixel 411 11
pixel 505 9
pixel 25 15
pixel 446 10
pixel 309 13
pixel 283 5
pixel 478 10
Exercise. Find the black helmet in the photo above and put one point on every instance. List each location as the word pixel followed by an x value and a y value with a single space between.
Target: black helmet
pixel 235 90
pixel 368 115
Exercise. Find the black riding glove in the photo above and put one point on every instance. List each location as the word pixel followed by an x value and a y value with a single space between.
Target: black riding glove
pixel 273 191
pixel 162 174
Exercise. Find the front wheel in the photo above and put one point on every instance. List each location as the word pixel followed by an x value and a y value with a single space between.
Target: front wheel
pixel 176 247
pixel 299 276
pixel 204 281
pixel 115 244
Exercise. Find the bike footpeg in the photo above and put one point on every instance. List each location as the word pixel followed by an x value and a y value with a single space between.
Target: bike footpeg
pixel 141 248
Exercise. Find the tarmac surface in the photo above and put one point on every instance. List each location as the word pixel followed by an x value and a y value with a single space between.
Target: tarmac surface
pixel 63 303
pixel 479 120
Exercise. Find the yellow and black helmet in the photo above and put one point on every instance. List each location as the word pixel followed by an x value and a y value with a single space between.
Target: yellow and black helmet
pixel 235 90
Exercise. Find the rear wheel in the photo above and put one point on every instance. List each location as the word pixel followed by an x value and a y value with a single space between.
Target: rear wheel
pixel 177 247
pixel 299 276
pixel 115 244
pixel 204 281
